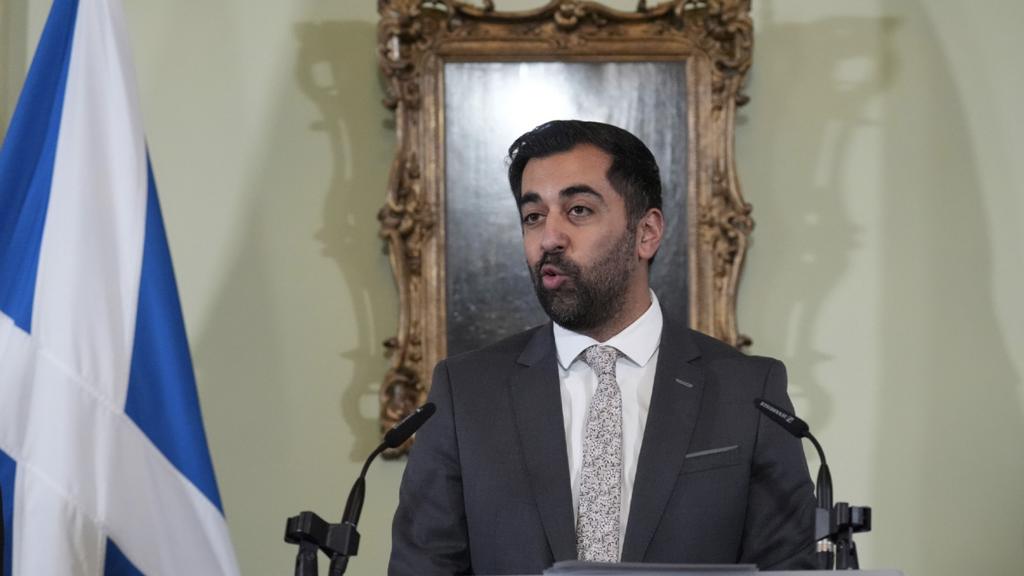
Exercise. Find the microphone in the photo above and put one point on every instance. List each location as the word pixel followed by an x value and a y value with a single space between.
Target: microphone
pixel 800 429
pixel 791 423
pixel 409 425
pixel 823 487
pixel 341 541
pixel 394 438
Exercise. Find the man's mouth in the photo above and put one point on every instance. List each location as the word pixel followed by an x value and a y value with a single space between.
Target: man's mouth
pixel 552 277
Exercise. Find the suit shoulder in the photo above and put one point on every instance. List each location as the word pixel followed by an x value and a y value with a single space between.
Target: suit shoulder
pixel 507 348
pixel 714 349
pixel 717 352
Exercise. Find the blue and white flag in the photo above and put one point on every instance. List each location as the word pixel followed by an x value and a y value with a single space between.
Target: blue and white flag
pixel 103 459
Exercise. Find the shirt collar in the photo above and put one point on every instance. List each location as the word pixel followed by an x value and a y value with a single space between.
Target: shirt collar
pixel 638 341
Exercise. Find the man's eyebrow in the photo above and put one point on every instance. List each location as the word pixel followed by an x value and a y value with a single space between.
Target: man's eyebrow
pixel 565 193
pixel 529 198
pixel 578 190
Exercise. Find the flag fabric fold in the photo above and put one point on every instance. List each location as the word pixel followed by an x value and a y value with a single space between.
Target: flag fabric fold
pixel 104 467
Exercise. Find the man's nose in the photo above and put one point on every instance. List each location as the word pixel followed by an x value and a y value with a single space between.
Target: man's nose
pixel 554 238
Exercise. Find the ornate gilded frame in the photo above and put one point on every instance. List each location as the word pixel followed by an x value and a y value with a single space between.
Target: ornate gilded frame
pixel 415 38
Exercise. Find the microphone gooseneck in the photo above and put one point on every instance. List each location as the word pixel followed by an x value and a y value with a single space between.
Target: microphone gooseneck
pixel 834 526
pixel 822 488
pixel 800 429
pixel 341 541
pixel 394 438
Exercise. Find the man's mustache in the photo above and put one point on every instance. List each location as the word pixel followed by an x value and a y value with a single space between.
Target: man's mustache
pixel 558 260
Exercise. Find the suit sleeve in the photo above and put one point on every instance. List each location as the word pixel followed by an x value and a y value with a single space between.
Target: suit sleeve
pixel 779 527
pixel 429 533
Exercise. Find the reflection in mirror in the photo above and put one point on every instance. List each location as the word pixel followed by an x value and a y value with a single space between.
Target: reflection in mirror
pixel 487 106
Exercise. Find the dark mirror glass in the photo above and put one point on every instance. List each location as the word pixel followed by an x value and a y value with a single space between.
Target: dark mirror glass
pixel 487 106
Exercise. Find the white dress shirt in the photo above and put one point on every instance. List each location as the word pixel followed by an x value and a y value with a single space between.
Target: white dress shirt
pixel 634 371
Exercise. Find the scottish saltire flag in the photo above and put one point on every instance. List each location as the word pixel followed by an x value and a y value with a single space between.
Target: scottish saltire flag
pixel 103 460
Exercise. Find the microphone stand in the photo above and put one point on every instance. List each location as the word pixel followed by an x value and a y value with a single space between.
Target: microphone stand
pixel 338 541
pixel 825 550
pixel 834 525
pixel 349 519
pixel 341 541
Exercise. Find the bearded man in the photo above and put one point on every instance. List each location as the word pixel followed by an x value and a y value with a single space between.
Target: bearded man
pixel 609 434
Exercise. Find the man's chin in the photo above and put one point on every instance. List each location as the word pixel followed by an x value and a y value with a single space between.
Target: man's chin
pixel 562 296
pixel 560 306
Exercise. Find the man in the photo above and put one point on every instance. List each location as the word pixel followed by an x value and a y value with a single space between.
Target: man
pixel 611 433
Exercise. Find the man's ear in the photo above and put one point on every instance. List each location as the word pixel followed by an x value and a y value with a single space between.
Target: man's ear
pixel 649 232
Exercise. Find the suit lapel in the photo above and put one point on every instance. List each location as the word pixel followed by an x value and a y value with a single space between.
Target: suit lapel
pixel 675 403
pixel 537 407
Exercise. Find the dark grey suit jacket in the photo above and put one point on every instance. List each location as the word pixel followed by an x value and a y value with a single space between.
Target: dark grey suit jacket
pixel 486 489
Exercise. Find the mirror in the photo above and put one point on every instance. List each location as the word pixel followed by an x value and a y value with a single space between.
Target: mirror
pixel 466 80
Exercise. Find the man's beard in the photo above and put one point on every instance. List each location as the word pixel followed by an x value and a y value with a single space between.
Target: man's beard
pixel 591 297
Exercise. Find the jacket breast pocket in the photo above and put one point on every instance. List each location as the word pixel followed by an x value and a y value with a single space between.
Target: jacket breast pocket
pixel 711 458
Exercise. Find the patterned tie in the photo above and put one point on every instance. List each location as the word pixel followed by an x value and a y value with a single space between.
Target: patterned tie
pixel 597 524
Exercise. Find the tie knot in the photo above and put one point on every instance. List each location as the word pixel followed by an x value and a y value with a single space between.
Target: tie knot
pixel 601 359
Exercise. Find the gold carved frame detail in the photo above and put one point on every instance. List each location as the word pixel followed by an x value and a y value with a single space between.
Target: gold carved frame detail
pixel 416 37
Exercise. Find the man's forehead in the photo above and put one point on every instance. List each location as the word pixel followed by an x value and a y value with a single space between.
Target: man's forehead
pixel 578 154
pixel 583 165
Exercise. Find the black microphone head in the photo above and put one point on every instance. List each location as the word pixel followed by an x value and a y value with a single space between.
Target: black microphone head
pixel 800 429
pixel 409 425
pixel 791 423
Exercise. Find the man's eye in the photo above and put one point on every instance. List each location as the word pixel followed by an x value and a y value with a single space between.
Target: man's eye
pixel 579 211
pixel 531 218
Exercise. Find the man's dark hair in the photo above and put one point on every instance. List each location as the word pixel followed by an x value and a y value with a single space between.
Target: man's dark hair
pixel 633 173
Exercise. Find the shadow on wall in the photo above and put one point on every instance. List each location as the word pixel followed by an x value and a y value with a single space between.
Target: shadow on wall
pixel 951 426
pixel 289 408
pixel 240 361
pixel 809 260
pixel 361 145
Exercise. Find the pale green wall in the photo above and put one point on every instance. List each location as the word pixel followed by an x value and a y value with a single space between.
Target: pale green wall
pixel 881 151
